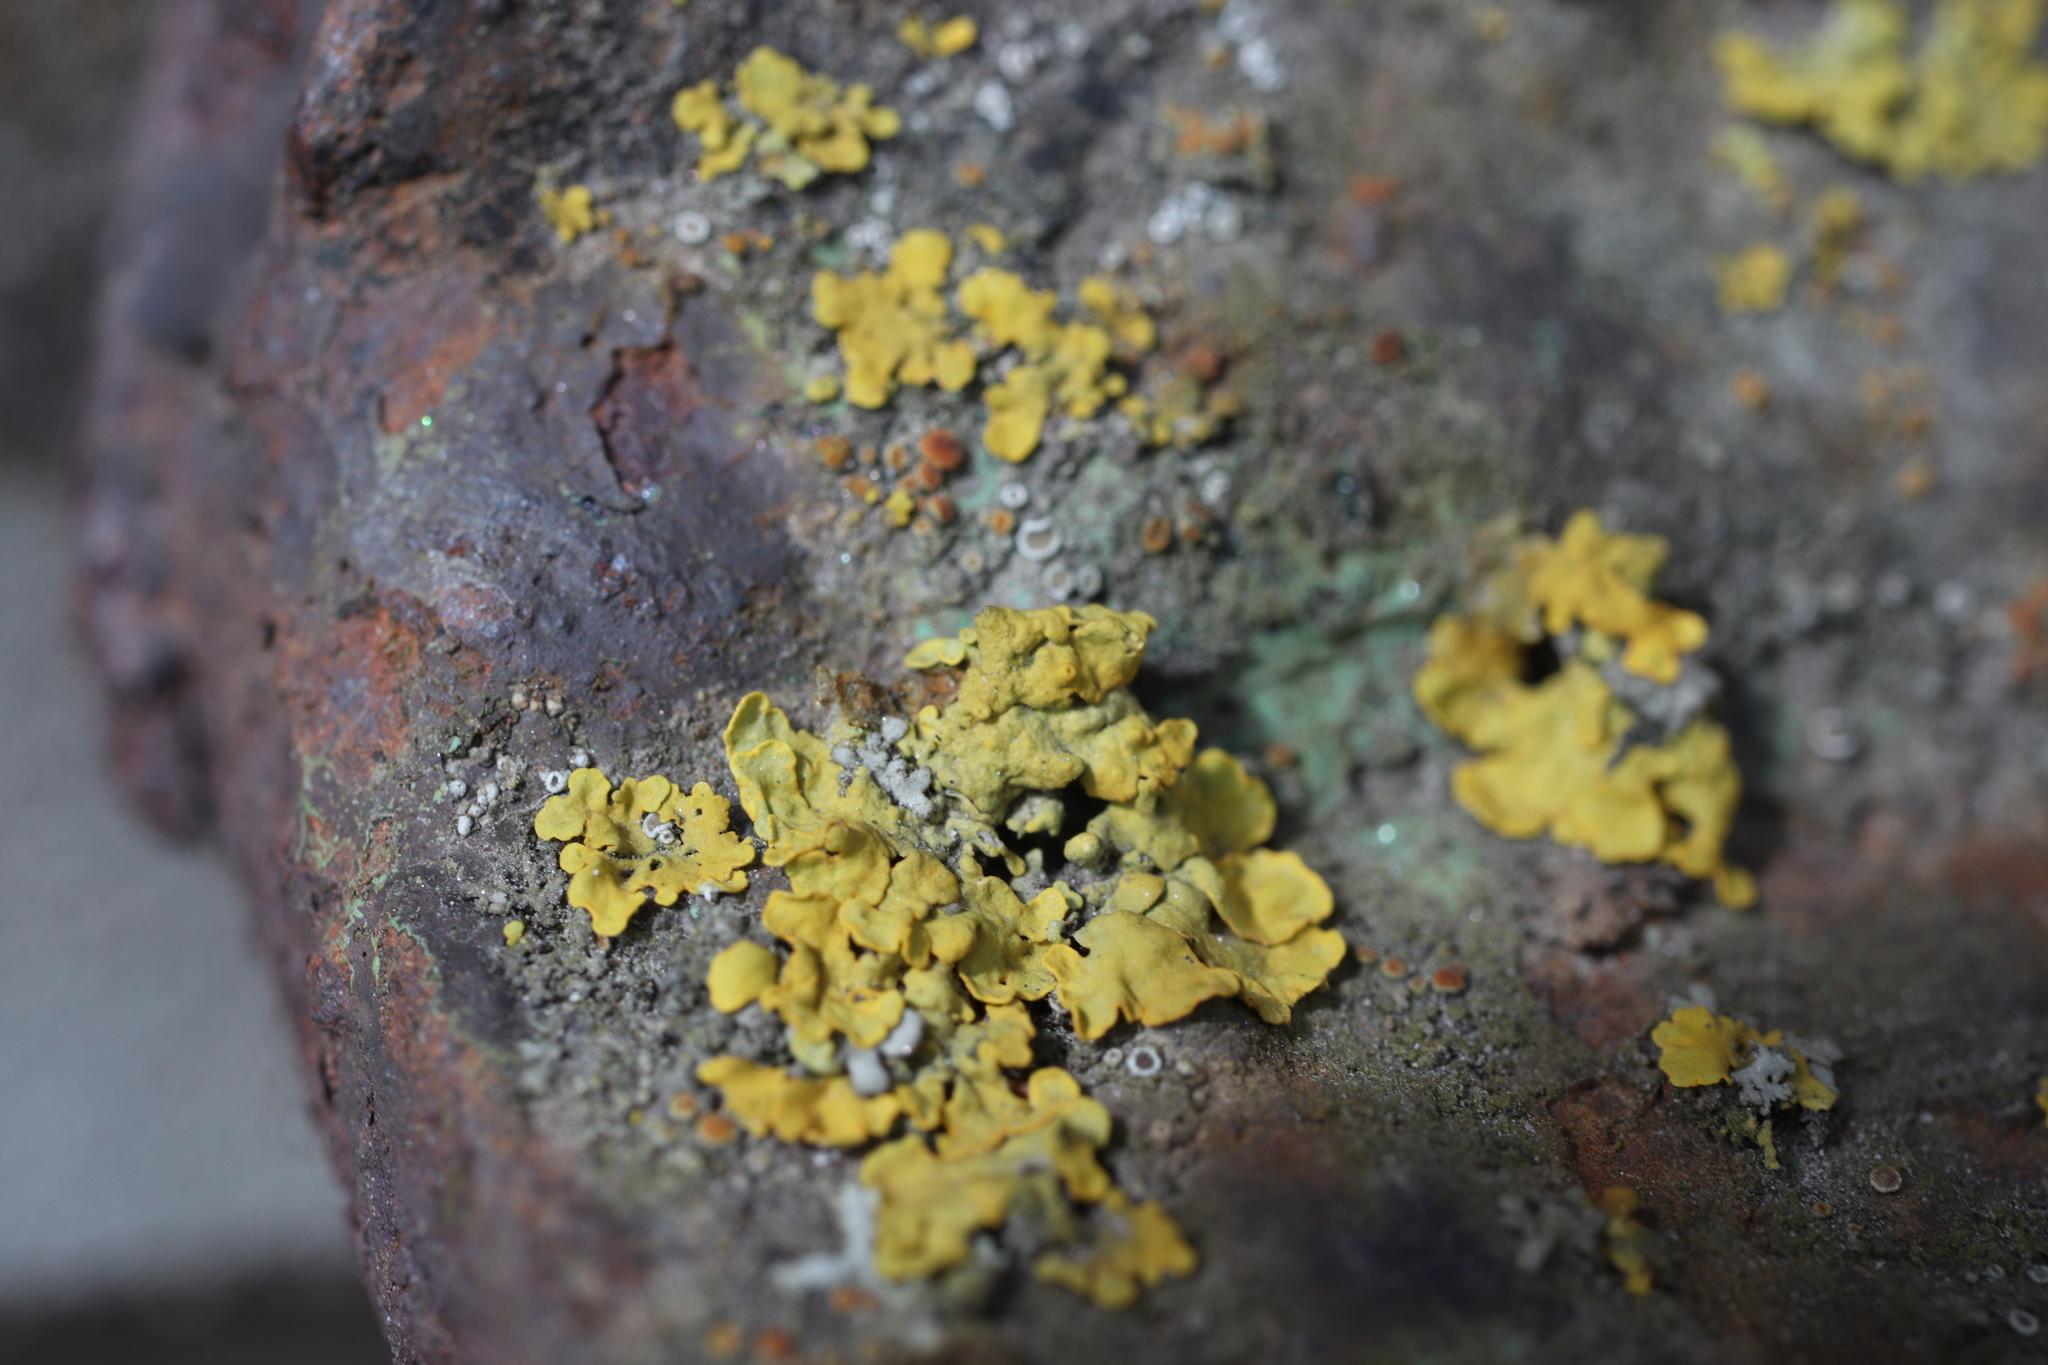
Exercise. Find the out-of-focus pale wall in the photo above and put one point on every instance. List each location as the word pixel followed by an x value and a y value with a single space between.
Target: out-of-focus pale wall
pixel 153 1139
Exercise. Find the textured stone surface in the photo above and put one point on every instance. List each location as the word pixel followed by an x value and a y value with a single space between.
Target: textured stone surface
pixel 407 456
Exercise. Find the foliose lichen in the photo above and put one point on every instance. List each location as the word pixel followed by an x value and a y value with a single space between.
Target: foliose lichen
pixel 923 917
pixel 797 123
pixel 1973 101
pixel 1611 752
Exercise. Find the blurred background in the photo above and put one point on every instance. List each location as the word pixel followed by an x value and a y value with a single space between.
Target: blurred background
pixel 162 1194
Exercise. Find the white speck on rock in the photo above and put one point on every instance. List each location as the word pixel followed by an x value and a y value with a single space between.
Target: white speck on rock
pixel 993 103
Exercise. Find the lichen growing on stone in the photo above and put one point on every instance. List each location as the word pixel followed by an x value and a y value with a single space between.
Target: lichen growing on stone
pixel 1974 100
pixel 1610 753
pixel 570 212
pixel 1754 280
pixel 1065 366
pixel 947 39
pixel 919 925
pixel 1625 1240
pixel 799 124
pixel 645 839
pixel 894 328
pixel 1697 1047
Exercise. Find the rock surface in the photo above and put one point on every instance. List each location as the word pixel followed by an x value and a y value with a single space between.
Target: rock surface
pixel 393 489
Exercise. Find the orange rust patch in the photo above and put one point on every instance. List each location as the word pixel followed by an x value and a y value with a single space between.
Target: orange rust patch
pixel 413 337
pixel 2010 1146
pixel 847 1299
pixel 774 1343
pixel 1370 191
pixel 2028 614
pixel 345 689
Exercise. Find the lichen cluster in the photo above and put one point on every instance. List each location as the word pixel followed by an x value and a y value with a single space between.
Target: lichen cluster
pixel 646 838
pixel 796 123
pixel 914 932
pixel 947 39
pixel 571 212
pixel 1697 1047
pixel 1754 281
pixel 894 328
pixel 1646 779
pixel 1973 101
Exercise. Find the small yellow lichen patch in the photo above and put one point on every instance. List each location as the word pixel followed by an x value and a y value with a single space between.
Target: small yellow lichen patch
pixel 739 974
pixel 646 838
pixel 1065 365
pixel 515 933
pixel 1849 82
pixel 988 237
pixel 1974 100
pixel 1136 969
pixel 1138 1247
pixel 1626 1241
pixel 912 930
pixel 892 326
pixel 572 212
pixel 765 1099
pixel 1698 1048
pixel 949 39
pixel 1755 281
pixel 1837 218
pixel 800 124
pixel 944 651
pixel 724 137
pixel 1743 150
pixel 1177 410
pixel 1554 756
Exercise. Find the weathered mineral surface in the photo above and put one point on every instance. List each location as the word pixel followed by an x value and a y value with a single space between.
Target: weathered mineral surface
pixel 399 502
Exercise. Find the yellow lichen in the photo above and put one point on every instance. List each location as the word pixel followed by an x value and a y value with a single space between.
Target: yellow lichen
pixel 988 237
pixel 1065 366
pixel 724 137
pixel 1555 756
pixel 824 1113
pixel 1697 1047
pixel 739 974
pixel 904 920
pixel 1973 101
pixel 950 38
pixel 1140 1247
pixel 1625 1240
pixel 1179 411
pixel 799 124
pixel 892 326
pixel 1837 218
pixel 1754 281
pixel 645 839
pixel 1136 969
pixel 943 651
pixel 572 211
pixel 1743 150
